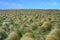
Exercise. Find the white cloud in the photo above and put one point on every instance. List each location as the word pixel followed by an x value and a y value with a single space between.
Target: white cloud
pixel 10 5
pixel 54 3
pixel 18 5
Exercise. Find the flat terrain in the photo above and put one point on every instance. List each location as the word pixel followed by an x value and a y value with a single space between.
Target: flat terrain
pixel 33 24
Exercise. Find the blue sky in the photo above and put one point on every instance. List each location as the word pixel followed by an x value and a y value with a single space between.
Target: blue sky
pixel 29 4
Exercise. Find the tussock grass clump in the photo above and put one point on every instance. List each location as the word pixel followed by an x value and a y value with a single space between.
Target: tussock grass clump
pixel 36 24
pixel 27 36
pixel 30 20
pixel 25 28
pixel 43 20
pixel 54 34
pixel 3 34
pixel 46 26
pixel 14 35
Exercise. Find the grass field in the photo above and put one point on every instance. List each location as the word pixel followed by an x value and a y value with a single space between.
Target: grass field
pixel 30 24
